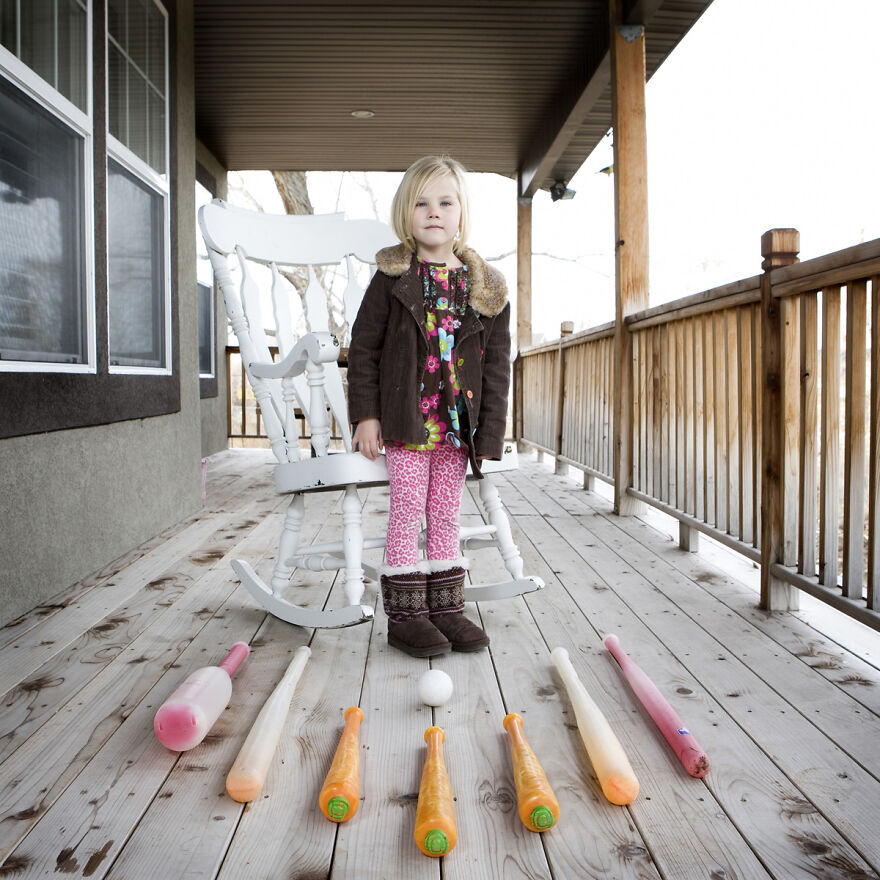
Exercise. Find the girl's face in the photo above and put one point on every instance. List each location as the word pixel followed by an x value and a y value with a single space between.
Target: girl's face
pixel 435 219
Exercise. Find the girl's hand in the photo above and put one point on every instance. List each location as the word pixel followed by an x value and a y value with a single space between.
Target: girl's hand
pixel 367 439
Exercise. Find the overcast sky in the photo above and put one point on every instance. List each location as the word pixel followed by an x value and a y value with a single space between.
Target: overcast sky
pixel 764 115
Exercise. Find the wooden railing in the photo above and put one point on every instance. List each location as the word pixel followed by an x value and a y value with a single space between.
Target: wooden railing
pixel 244 421
pixel 754 420
pixel 567 391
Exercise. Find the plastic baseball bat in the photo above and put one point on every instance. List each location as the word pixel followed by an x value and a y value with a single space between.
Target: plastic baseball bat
pixel 613 770
pixel 536 802
pixel 250 769
pixel 435 833
pixel 692 757
pixel 185 718
pixel 340 795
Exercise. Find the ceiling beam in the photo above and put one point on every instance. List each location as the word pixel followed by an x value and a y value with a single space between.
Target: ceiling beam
pixel 558 133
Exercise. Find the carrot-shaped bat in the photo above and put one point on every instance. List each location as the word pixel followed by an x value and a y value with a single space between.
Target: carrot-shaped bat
pixel 250 769
pixel 340 796
pixel 613 770
pixel 692 757
pixel 435 832
pixel 538 807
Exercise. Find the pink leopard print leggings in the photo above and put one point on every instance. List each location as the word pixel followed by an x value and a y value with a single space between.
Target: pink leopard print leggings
pixel 429 485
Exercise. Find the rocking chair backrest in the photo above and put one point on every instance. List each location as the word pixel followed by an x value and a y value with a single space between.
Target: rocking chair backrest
pixel 247 240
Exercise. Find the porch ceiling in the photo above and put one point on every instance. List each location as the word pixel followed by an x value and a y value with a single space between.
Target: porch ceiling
pixel 519 86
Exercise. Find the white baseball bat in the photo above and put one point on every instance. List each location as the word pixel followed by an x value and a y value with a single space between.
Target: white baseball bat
pixel 245 780
pixel 613 770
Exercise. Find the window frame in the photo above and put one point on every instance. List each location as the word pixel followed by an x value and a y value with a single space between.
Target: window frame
pixel 209 185
pixel 160 184
pixel 81 123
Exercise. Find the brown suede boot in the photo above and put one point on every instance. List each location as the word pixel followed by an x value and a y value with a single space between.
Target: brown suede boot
pixel 446 603
pixel 409 629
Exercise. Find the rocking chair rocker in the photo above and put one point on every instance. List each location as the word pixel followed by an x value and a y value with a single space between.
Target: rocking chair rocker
pixel 241 245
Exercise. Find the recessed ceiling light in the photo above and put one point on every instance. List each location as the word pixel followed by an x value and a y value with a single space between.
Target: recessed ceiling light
pixel 362 114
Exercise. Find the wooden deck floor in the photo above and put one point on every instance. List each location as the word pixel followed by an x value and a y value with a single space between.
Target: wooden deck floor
pixel 787 714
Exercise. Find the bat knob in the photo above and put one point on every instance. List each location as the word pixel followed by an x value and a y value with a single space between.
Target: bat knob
pixel 337 808
pixel 541 818
pixel 436 842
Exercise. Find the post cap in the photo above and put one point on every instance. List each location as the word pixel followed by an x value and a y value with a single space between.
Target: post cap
pixel 780 247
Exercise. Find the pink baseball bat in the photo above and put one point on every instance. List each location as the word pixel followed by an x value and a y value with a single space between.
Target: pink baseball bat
pixel 185 718
pixel 692 757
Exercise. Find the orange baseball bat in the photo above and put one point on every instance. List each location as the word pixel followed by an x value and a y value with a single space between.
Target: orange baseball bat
pixel 341 792
pixel 538 807
pixel 435 831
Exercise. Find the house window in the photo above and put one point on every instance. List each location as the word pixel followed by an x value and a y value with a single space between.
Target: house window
pixel 138 218
pixel 207 316
pixel 51 38
pixel 46 282
pixel 136 261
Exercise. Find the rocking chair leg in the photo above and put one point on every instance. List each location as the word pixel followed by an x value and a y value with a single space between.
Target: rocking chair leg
pixel 498 518
pixel 353 545
pixel 288 543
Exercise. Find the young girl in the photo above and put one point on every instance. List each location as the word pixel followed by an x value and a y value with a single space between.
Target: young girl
pixel 428 376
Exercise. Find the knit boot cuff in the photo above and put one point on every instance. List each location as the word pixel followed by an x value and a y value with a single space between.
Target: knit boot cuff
pixel 393 570
pixel 438 565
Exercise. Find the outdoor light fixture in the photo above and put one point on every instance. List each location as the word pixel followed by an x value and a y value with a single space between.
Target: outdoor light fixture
pixel 560 191
pixel 363 114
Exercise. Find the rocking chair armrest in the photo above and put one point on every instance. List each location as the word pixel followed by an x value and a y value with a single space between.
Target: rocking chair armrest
pixel 319 348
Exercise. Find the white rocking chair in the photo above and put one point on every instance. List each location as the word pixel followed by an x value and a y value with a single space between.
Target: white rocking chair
pixel 307 377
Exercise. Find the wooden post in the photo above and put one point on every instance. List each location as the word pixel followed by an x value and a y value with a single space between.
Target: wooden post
pixel 688 538
pixel 523 307
pixel 560 467
pixel 630 233
pixel 779 247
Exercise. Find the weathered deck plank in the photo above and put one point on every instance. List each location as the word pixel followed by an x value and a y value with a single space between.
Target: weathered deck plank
pixel 789 716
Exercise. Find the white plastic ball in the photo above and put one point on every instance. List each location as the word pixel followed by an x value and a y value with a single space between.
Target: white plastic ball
pixel 435 687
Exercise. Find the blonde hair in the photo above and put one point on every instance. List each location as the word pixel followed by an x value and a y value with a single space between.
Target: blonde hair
pixel 419 175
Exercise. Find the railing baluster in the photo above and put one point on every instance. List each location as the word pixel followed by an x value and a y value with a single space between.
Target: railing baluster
pixel 699 421
pixel 874 455
pixel 711 415
pixel 854 449
pixel 722 506
pixel 808 434
pixel 609 407
pixel 657 423
pixel 637 342
pixel 733 413
pixel 790 415
pixel 689 502
pixel 747 425
pixel 758 372
pixel 829 493
pixel 680 482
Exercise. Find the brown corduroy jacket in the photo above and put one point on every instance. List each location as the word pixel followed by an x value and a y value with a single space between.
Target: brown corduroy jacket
pixel 389 346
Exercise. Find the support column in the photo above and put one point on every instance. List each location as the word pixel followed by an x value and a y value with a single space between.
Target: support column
pixel 779 247
pixel 630 234
pixel 523 307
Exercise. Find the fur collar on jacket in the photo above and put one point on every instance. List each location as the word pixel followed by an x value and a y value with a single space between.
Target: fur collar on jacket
pixel 488 294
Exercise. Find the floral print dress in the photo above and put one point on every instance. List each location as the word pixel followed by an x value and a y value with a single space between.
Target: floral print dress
pixel 443 408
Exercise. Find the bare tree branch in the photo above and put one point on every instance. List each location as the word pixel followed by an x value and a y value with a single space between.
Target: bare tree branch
pixel 541 254
pixel 294 191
